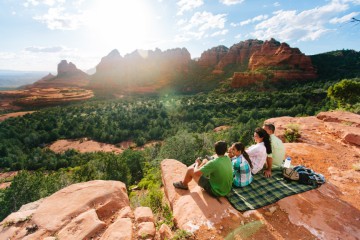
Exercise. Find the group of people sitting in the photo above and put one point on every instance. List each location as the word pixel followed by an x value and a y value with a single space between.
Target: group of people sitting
pixel 235 166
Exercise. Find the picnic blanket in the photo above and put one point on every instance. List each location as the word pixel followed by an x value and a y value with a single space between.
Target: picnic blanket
pixel 264 191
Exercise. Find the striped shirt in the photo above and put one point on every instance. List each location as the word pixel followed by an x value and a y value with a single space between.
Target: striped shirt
pixel 241 171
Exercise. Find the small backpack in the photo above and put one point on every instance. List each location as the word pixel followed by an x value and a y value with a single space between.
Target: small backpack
pixel 290 174
pixel 304 175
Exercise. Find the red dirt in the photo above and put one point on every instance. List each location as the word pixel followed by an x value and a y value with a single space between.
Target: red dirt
pixel 15 114
pixel 83 146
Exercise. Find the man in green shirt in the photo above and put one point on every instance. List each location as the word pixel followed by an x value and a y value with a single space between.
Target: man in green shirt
pixel 215 176
pixel 275 159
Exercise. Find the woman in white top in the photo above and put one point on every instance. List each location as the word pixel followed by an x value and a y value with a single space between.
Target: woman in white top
pixel 259 151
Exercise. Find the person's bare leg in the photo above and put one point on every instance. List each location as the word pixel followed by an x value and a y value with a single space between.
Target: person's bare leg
pixel 189 175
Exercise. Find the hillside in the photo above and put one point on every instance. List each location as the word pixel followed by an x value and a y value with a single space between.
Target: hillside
pixel 329 144
pixel 337 64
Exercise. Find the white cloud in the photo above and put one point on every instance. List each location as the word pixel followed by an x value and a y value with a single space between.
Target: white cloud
pixel 7 55
pixel 219 33
pixel 27 3
pixel 355 2
pixel 231 2
pixel 248 21
pixel 206 20
pixel 57 18
pixel 304 26
pixel 201 26
pixel 53 49
pixel 238 36
pixel 343 19
pixel 187 5
pixel 276 4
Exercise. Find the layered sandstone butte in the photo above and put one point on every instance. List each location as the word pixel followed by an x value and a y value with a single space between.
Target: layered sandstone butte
pixel 276 61
pixel 255 61
pixel 68 76
pixel 141 70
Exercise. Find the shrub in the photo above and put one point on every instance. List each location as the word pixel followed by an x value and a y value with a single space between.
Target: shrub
pixel 292 133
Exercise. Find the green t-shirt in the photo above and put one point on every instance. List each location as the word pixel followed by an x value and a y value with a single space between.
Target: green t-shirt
pixel 278 151
pixel 220 175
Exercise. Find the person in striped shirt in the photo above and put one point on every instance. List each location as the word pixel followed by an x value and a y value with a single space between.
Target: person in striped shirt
pixel 241 165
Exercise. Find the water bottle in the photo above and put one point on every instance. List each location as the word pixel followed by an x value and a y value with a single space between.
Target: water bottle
pixel 287 162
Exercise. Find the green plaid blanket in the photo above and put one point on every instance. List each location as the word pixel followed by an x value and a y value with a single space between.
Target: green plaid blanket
pixel 264 191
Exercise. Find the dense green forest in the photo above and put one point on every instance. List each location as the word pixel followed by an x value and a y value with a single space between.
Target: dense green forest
pixel 184 124
pixel 337 64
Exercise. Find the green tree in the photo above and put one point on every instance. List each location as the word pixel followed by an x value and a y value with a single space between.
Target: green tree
pixel 345 92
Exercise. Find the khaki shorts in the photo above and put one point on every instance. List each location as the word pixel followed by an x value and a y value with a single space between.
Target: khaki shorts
pixel 205 184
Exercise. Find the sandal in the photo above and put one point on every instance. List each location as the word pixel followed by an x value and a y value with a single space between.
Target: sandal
pixel 180 185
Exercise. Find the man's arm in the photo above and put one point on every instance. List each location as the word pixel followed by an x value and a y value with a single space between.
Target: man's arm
pixel 197 173
pixel 267 172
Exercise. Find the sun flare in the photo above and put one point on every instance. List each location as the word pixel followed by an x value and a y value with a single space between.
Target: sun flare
pixel 122 24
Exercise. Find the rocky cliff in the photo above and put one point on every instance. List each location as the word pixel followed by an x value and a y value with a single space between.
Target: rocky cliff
pixel 141 70
pixel 254 61
pixel 68 75
pixel 329 144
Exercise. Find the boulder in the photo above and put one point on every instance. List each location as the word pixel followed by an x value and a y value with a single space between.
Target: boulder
pixel 143 214
pixel 126 212
pixel 165 232
pixel 122 229
pixel 78 211
pixel 146 230
pixel 58 209
pixel 83 226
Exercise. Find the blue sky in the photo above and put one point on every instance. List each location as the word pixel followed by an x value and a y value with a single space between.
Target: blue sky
pixel 38 34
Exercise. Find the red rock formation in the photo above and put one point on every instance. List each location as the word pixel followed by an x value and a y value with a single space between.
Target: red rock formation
pixel 276 61
pixel 212 57
pixel 240 53
pixel 140 70
pixel 275 55
pixel 68 76
pixel 65 68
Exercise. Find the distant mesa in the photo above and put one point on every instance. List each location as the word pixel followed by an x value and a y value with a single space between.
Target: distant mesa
pixel 68 76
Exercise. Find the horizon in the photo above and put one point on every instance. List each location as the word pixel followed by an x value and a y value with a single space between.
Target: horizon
pixel 82 32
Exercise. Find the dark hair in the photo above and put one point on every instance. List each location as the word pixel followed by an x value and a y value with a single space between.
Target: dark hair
pixel 266 138
pixel 241 147
pixel 270 126
pixel 220 147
